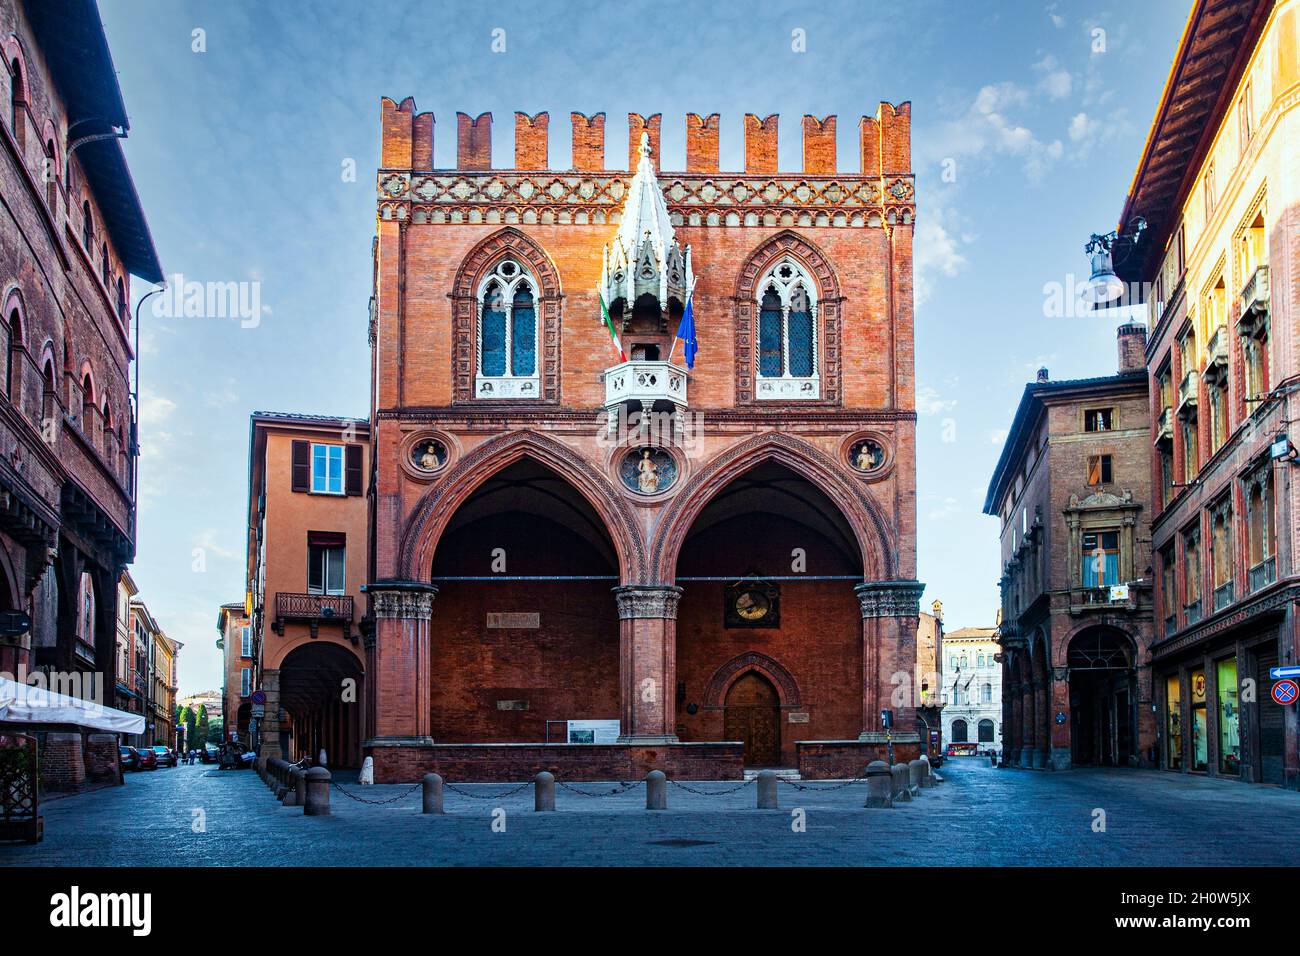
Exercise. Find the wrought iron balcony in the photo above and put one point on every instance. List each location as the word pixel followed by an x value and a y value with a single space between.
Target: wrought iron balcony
pixel 1255 294
pixel 1187 396
pixel 1263 574
pixel 646 382
pixel 1121 598
pixel 1165 425
pixel 313 610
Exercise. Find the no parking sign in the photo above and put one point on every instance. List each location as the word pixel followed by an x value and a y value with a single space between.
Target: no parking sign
pixel 1286 691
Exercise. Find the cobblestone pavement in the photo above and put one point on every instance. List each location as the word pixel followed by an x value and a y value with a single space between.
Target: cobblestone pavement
pixel 979 816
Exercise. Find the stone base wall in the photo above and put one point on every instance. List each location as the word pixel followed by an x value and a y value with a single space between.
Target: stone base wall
pixel 101 759
pixel 63 765
pixel 848 759
pixel 504 763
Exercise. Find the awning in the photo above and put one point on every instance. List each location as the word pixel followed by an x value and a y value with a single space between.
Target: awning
pixel 25 704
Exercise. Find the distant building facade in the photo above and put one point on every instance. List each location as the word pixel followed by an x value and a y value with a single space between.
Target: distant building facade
pixel 972 688
pixel 1072 493
pixel 239 660
pixel 929 676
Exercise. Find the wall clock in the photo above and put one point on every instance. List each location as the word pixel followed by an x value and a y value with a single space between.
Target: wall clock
pixel 752 604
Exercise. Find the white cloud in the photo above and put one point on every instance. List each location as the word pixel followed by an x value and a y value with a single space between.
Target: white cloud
pixel 1058 21
pixel 998 435
pixel 154 408
pixel 1057 82
pixel 988 127
pixel 934 253
pixel 928 401
pixel 946 508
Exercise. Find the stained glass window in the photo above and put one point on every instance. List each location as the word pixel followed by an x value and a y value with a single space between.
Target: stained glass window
pixel 494 332
pixel 523 333
pixel 787 332
pixel 769 335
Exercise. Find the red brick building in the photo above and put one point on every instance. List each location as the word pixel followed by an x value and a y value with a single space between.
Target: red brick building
pixel 1072 491
pixel 618 559
pixel 72 233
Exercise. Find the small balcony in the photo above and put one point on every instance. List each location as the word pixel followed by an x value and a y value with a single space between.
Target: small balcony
pixel 1216 354
pixel 1222 596
pixel 1255 294
pixel 313 610
pixel 1192 612
pixel 1263 574
pixel 644 381
pixel 1165 425
pixel 1187 396
pixel 1122 597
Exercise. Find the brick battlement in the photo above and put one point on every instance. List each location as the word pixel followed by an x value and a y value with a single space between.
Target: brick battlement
pixel 885 142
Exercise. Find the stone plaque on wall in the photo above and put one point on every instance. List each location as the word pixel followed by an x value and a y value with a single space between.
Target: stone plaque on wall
pixel 512 705
pixel 798 717
pixel 519 619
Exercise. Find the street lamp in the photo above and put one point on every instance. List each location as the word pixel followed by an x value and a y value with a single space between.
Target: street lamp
pixel 1103 284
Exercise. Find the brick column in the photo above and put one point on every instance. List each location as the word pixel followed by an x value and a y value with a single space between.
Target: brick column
pixel 647 625
pixel 400 674
pixel 1042 691
pixel 270 743
pixel 1028 735
pixel 890 614
pixel 1013 731
pixel 1062 752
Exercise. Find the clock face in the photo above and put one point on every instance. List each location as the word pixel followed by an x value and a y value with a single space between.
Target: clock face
pixel 752 605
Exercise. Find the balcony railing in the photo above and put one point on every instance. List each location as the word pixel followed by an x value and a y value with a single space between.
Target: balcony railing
pixel 1263 574
pixel 312 609
pixel 1187 392
pixel 1216 353
pixel 645 381
pixel 1171 624
pixel 1222 596
pixel 1120 598
pixel 1255 294
pixel 1165 425
pixel 1192 612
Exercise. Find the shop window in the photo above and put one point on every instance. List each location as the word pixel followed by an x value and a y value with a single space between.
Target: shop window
pixel 1099 470
pixel 1099 419
pixel 1173 723
pixel 1200 744
pixel 1229 717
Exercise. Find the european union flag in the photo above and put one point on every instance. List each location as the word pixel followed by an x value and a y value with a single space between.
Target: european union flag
pixel 686 330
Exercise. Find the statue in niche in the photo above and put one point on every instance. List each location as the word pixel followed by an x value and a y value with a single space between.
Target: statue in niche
pixel 648 471
pixel 429 455
pixel 868 456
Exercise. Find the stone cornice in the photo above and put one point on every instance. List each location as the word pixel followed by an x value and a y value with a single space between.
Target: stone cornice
pixel 1271 601
pixel 481 412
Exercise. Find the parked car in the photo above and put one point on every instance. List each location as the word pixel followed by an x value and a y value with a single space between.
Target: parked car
pixel 166 756
pixel 130 757
pixel 148 759
pixel 208 753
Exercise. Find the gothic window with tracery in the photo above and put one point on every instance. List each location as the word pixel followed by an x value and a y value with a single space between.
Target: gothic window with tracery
pixel 507 333
pixel 787 333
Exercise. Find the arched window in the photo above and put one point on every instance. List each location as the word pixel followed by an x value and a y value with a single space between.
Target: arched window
pixel 87 401
pixel 986 694
pixel 507 333
pixel 787 333
pixel 51 175
pixel 17 100
pixel 985 729
pixel 86 615
pixel 49 400
pixel 87 229
pixel 122 312
pixel 110 437
pixel 11 329
pixel 960 732
pixel 104 265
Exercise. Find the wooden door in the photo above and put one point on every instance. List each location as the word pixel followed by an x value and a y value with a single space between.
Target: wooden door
pixel 752 714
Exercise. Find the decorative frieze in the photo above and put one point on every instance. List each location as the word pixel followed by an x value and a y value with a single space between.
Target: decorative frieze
pixel 637 601
pixel 890 598
pixel 402 600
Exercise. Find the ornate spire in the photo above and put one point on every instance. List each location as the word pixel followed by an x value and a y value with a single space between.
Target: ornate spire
pixel 644 256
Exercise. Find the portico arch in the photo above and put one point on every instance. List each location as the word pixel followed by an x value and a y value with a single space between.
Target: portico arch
pixel 427 523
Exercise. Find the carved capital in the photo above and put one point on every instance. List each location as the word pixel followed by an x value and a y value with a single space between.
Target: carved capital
pixel 640 601
pixel 889 598
pixel 403 600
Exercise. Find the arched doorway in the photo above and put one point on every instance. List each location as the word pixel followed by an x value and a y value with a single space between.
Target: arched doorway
pixel 768 566
pixel 321 695
pixel 752 714
pixel 985 730
pixel 525 634
pixel 1103 698
pixel 960 731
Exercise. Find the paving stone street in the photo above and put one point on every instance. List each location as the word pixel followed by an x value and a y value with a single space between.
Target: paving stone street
pixel 1151 818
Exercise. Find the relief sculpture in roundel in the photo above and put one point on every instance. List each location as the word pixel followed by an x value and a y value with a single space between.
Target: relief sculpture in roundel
pixel 648 471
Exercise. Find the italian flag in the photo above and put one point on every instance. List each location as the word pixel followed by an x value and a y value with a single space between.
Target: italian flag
pixel 609 324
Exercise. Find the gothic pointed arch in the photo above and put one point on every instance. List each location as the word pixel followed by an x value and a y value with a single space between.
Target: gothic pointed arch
pixel 874 538
pixel 508 242
pixel 430 518
pixel 817 265
pixel 752 661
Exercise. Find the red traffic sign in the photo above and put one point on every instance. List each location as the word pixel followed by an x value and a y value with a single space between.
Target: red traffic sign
pixel 1286 691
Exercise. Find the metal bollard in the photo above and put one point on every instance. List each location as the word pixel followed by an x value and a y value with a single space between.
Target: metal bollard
pixel 318 793
pixel 915 774
pixel 290 798
pixel 767 799
pixel 656 790
pixel 879 785
pixel 927 778
pixel 432 793
pixel 899 776
pixel 544 792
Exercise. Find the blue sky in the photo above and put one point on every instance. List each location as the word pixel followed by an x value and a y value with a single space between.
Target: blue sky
pixel 1025 138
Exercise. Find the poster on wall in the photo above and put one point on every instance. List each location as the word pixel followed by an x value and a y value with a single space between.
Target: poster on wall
pixel 593 731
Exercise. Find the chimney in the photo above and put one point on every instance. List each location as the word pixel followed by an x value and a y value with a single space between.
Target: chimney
pixel 1042 375
pixel 1132 339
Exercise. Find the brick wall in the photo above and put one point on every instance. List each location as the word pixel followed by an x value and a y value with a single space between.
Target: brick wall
pixel 63 764
pixel 848 759
pixel 508 763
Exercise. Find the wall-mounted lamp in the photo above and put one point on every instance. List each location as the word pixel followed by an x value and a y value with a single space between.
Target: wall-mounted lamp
pixel 1103 284
pixel 1281 449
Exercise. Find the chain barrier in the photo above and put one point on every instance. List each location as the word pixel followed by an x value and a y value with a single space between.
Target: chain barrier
pixel 838 786
pixel 713 793
pixel 489 796
pixel 621 788
pixel 352 796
